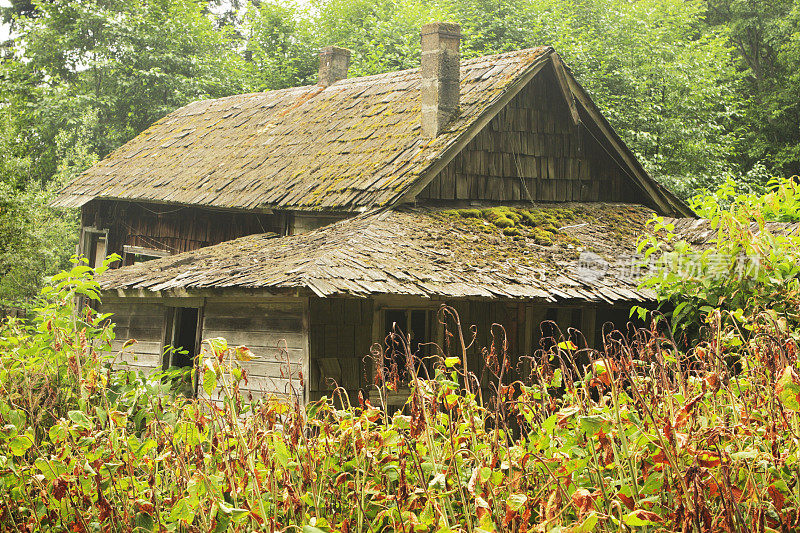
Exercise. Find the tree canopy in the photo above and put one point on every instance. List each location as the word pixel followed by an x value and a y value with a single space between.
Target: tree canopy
pixel 702 90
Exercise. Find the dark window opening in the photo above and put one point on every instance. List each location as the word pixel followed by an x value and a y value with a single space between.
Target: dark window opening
pixel 557 324
pixel 95 246
pixel 132 255
pixel 615 319
pixel 413 323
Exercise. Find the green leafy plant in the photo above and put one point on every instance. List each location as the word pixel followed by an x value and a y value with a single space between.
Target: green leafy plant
pixel 746 264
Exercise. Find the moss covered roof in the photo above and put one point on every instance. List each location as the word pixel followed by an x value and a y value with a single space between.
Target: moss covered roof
pixel 352 145
pixel 523 252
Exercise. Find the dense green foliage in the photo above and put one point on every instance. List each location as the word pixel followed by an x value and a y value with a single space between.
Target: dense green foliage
pixel 644 437
pixel 748 264
pixel 700 89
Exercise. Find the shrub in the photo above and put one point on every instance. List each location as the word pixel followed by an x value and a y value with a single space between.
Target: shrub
pixel 747 265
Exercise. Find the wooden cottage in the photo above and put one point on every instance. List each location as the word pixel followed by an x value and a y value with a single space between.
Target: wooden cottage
pixel 305 222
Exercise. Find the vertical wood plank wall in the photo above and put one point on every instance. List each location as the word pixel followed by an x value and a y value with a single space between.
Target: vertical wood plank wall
pixel 172 228
pixel 330 337
pixel 533 150
pixel 275 331
pixel 143 322
pixel 482 314
pixel 340 337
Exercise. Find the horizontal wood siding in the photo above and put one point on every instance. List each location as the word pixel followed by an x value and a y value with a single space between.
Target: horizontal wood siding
pixel 340 338
pixel 275 331
pixel 142 322
pixel 532 150
pixel 172 228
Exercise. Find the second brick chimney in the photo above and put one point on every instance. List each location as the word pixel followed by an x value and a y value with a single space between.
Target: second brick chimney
pixel 333 64
pixel 440 75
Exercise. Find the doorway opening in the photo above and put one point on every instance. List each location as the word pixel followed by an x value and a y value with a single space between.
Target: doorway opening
pixel 182 346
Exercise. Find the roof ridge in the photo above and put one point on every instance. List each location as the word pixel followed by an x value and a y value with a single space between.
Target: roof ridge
pixel 466 63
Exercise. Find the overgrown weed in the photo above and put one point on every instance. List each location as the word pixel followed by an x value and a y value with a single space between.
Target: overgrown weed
pixel 635 436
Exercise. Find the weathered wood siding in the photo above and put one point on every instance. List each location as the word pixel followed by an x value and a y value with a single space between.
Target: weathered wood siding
pixel 172 228
pixel 143 322
pixel 340 338
pixel 276 333
pixel 482 315
pixel 533 150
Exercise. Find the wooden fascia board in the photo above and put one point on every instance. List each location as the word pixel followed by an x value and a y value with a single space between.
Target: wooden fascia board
pixel 460 142
pixel 561 76
pixel 226 292
pixel 665 200
pixel 220 209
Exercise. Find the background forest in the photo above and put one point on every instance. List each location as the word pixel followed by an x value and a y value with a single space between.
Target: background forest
pixel 702 90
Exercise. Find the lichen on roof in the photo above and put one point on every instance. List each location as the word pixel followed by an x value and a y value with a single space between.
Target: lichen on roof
pixel 354 144
pixel 423 251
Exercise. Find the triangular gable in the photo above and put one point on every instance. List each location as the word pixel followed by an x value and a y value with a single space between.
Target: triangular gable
pixel 544 140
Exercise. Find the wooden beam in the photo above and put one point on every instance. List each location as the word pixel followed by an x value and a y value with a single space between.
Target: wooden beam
pixel 561 76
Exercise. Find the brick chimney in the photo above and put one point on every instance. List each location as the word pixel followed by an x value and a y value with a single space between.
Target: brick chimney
pixel 440 75
pixel 333 64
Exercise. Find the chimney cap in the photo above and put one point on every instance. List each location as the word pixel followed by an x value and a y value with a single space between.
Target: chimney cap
pixel 445 29
pixel 335 50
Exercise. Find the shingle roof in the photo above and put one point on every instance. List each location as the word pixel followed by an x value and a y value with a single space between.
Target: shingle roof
pixel 701 233
pixel 352 145
pixel 424 252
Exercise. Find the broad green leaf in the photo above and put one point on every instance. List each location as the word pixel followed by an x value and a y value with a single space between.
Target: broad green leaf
pixel 593 424
pixel 218 344
pixel 80 419
pixel 209 381
pixel 515 502
pixel 450 362
pixel 182 511
pixel 587 526
pixel 640 518
pixel 235 513
pixel 20 444
pixel 788 389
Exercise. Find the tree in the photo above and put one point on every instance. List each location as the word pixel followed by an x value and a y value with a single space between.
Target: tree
pixel 83 77
pixel 767 44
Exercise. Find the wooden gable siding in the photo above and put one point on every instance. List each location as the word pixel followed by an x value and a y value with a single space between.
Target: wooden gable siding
pixel 172 228
pixel 532 150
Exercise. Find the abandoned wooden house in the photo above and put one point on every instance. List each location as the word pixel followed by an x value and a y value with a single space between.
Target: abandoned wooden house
pixel 306 222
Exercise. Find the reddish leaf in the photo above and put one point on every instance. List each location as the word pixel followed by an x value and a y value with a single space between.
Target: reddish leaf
pixel 649 516
pixel 584 500
pixel 627 500
pixel 778 499
pixel 683 414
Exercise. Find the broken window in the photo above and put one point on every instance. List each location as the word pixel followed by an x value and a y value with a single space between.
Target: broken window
pixel 94 246
pixel 411 327
pixel 132 255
